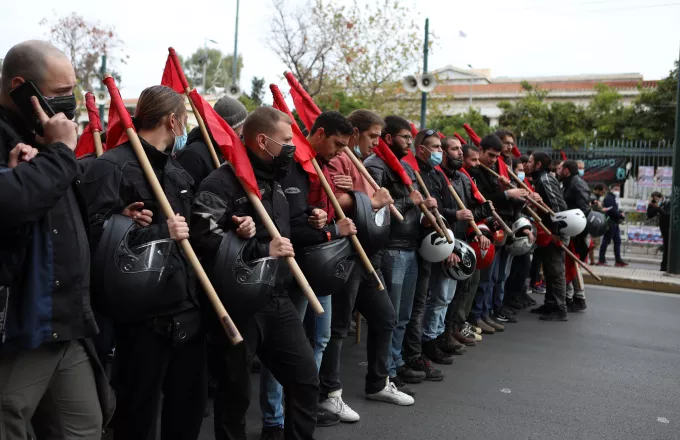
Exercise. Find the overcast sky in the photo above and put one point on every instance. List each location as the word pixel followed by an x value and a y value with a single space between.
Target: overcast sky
pixel 511 37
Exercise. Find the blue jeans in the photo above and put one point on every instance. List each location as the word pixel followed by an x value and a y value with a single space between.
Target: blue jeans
pixel 441 292
pixel 484 297
pixel 400 269
pixel 501 275
pixel 271 392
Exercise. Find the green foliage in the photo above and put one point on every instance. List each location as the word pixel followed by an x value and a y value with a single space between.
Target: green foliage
pixel 651 117
pixel 218 70
pixel 257 90
pixel 454 124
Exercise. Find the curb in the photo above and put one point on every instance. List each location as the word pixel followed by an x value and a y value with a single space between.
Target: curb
pixel 668 285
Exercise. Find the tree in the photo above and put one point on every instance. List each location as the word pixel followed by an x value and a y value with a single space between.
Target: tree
pixel 654 110
pixel 218 70
pixel 257 90
pixel 85 43
pixel 529 117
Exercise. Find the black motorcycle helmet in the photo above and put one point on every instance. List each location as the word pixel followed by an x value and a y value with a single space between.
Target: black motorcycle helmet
pixel 327 266
pixel 373 227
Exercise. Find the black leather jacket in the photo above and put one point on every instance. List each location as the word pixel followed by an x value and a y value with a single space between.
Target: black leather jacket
pixel 577 194
pixel 403 235
pixel 549 189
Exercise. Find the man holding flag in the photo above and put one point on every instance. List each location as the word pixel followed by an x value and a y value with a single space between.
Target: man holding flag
pixel 272 328
pixel 399 263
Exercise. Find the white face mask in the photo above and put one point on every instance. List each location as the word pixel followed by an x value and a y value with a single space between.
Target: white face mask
pixel 616 194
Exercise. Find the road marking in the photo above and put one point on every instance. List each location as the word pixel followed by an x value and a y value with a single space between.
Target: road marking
pixel 662 420
pixel 621 289
pixel 506 390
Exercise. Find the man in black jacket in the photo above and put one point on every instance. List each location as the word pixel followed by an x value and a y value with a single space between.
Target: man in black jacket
pixel 507 203
pixel 312 222
pixel 45 260
pixel 399 263
pixel 274 331
pixel 552 255
pixel 661 207
pixel 610 206
pixel 457 328
pixel 576 196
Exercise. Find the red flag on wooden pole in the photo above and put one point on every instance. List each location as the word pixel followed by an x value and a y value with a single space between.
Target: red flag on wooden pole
pixel 383 152
pixel 411 160
pixel 460 138
pixel 305 106
pixel 304 153
pixel 173 75
pixel 475 191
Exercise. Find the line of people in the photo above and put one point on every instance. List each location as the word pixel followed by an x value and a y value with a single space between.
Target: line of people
pixel 97 292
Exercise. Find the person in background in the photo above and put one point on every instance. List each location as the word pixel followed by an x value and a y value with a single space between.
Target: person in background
pixel 614 217
pixel 581 168
pixel 660 207
pixel 596 205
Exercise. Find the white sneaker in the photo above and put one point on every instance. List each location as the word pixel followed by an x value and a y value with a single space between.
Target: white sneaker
pixel 391 394
pixel 335 405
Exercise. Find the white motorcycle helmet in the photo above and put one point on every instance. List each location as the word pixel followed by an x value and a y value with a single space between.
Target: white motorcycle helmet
pixel 434 248
pixel 571 222
pixel 521 243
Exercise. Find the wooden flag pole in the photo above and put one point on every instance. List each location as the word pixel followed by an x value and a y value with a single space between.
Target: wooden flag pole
pixel 524 185
pixel 437 215
pixel 98 149
pixel 264 216
pixel 225 319
pixel 341 215
pixel 540 206
pixel 364 172
pixel 461 205
pixel 428 215
pixel 539 222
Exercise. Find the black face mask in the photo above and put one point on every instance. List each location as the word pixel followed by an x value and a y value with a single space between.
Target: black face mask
pixel 453 164
pixel 283 162
pixel 63 104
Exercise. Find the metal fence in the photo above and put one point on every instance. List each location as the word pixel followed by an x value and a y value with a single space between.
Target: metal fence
pixel 635 153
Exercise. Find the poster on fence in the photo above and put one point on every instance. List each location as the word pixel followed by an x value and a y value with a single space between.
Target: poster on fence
pixel 641 206
pixel 607 171
pixel 664 176
pixel 644 234
pixel 646 176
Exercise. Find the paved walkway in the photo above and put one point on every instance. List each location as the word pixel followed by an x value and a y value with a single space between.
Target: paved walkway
pixel 633 278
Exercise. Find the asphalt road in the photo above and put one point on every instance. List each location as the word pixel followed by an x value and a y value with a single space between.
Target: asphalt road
pixel 612 372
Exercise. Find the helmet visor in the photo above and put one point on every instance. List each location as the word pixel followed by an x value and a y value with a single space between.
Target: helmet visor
pixel 147 257
pixel 260 271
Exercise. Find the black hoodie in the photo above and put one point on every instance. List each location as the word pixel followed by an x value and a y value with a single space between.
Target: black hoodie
pixel 196 158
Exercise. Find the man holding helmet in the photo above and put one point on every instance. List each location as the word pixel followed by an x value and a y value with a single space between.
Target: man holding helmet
pixel 552 255
pixel 576 196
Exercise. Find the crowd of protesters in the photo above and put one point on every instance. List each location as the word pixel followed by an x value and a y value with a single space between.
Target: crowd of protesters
pixel 105 326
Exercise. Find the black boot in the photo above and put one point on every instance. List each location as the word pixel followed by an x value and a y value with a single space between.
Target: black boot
pixel 432 352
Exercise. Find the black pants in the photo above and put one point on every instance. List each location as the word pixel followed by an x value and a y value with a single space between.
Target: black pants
pixel 275 333
pixel 361 292
pixel 515 285
pixel 412 346
pixel 666 246
pixel 150 364
pixel 535 270
pixel 554 273
pixel 612 234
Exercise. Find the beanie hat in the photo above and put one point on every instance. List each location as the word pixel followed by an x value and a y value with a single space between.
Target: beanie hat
pixel 231 110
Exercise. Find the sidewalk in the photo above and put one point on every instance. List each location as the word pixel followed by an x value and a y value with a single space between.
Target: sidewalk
pixel 643 279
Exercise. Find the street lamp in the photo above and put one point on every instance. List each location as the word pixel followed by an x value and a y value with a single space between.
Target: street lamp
pixel 205 62
pixel 470 92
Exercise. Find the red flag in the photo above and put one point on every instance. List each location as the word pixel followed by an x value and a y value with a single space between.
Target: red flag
pixel 119 117
pixel 304 153
pixel 85 142
pixel 503 168
pixel 173 75
pixel 515 151
pixel 460 138
pixel 475 191
pixel 383 152
pixel 564 156
pixel 414 129
pixel 411 160
pixel 439 168
pixel 228 142
pixel 441 135
pixel 473 136
pixel 570 264
pixel 307 110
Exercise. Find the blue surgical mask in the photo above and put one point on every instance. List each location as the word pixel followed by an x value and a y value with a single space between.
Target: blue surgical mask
pixel 180 141
pixel 581 172
pixel 357 152
pixel 521 176
pixel 435 158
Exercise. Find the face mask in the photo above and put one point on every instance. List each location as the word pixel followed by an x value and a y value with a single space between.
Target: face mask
pixel 63 104
pixel 521 176
pixel 180 141
pixel 283 162
pixel 581 172
pixel 616 194
pixel 452 163
pixel 435 158
pixel 357 152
